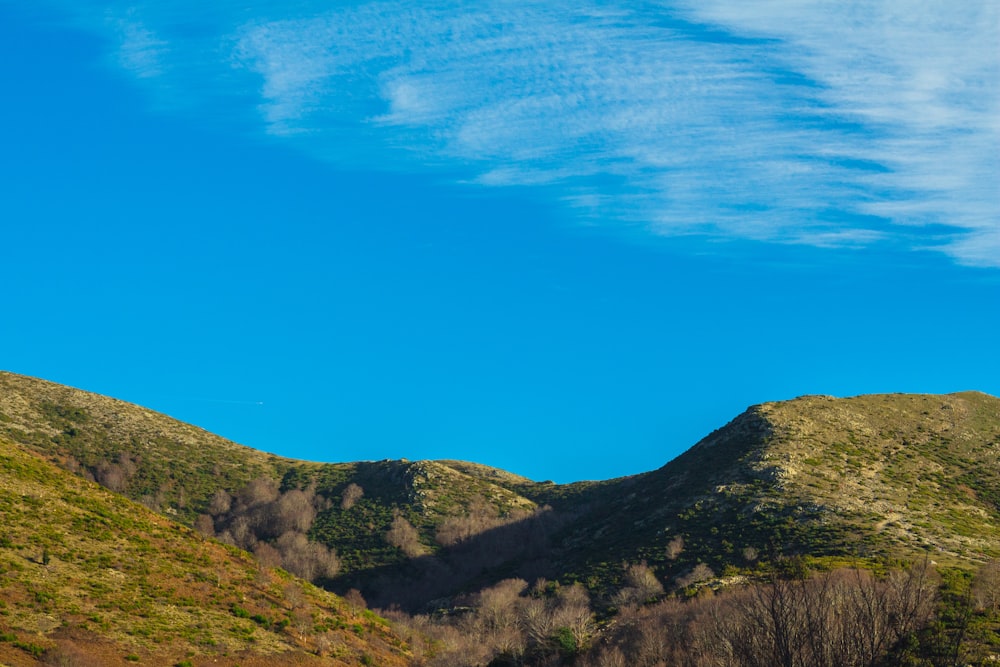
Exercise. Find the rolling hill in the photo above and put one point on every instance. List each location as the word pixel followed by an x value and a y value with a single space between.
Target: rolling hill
pixel 88 577
pixel 826 480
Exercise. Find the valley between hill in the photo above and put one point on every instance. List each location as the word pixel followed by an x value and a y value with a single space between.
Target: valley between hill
pixel 812 484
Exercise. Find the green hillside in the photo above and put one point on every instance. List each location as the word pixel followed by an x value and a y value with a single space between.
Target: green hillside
pixel 871 477
pixel 823 480
pixel 178 470
pixel 88 577
pixel 167 464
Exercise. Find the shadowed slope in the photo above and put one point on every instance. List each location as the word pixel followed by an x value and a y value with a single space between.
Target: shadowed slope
pixel 864 477
pixel 836 479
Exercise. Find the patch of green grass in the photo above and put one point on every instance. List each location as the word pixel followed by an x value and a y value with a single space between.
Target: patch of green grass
pixel 34 650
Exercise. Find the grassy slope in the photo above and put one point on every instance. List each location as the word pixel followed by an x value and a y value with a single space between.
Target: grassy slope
pixel 922 471
pixel 869 477
pixel 872 476
pixel 424 492
pixel 179 467
pixel 90 575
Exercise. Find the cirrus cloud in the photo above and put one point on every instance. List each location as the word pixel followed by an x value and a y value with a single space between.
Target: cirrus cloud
pixel 816 122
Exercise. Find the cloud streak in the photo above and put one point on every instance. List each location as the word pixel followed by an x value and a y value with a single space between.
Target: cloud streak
pixel 138 51
pixel 824 123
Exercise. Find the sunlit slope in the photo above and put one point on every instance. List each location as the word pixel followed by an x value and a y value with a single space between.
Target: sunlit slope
pixel 177 468
pixel 920 471
pixel 869 477
pixel 171 465
pixel 89 577
pixel 866 477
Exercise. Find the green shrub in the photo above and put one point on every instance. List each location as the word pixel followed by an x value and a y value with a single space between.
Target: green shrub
pixel 35 650
pixel 566 641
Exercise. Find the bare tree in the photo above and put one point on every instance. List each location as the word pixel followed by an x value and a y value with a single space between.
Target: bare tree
pixel 293 510
pixel 259 491
pixel 847 618
pixel 350 496
pixel 294 595
pixel 267 555
pixel 220 503
pixel 538 621
pixel 309 560
pixel 641 585
pixel 205 525
pixel 242 534
pixel 675 547
pixel 480 517
pixel 405 537
pixel 111 476
pixel 497 619
pixel 573 613
pixel 354 598
pixel 699 573
pixel 610 656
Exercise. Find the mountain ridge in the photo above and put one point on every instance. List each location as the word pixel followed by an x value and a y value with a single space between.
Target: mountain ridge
pixel 859 478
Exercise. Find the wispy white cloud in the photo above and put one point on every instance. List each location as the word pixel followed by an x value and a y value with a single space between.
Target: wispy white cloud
pixel 139 50
pixel 923 79
pixel 834 124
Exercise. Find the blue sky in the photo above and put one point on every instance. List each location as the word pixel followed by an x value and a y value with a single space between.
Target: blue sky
pixel 564 239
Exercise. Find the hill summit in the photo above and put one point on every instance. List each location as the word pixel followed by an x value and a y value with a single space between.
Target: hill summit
pixel 189 552
pixel 841 479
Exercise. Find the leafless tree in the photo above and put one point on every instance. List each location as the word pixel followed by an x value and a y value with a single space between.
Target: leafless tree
pixel 355 599
pixel 259 491
pixel 267 555
pixel 675 547
pixel 699 573
pixel 220 503
pixel 111 476
pixel 848 618
pixel 641 585
pixel 572 612
pixel 241 533
pixel 497 619
pixel 293 510
pixel 405 537
pixel 294 595
pixel 350 496
pixel 309 560
pixel 205 525
pixel 480 517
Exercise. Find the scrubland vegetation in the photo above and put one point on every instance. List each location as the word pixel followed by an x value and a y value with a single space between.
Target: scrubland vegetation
pixel 817 531
pixel 89 578
pixel 902 615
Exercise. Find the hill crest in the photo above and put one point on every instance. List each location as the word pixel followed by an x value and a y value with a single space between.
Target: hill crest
pixel 874 476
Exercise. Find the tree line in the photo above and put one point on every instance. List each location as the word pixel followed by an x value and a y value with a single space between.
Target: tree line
pixel 910 614
pixel 848 617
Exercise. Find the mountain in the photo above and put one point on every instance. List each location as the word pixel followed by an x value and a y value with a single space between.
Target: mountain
pixel 88 577
pixel 886 476
pixel 821 480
